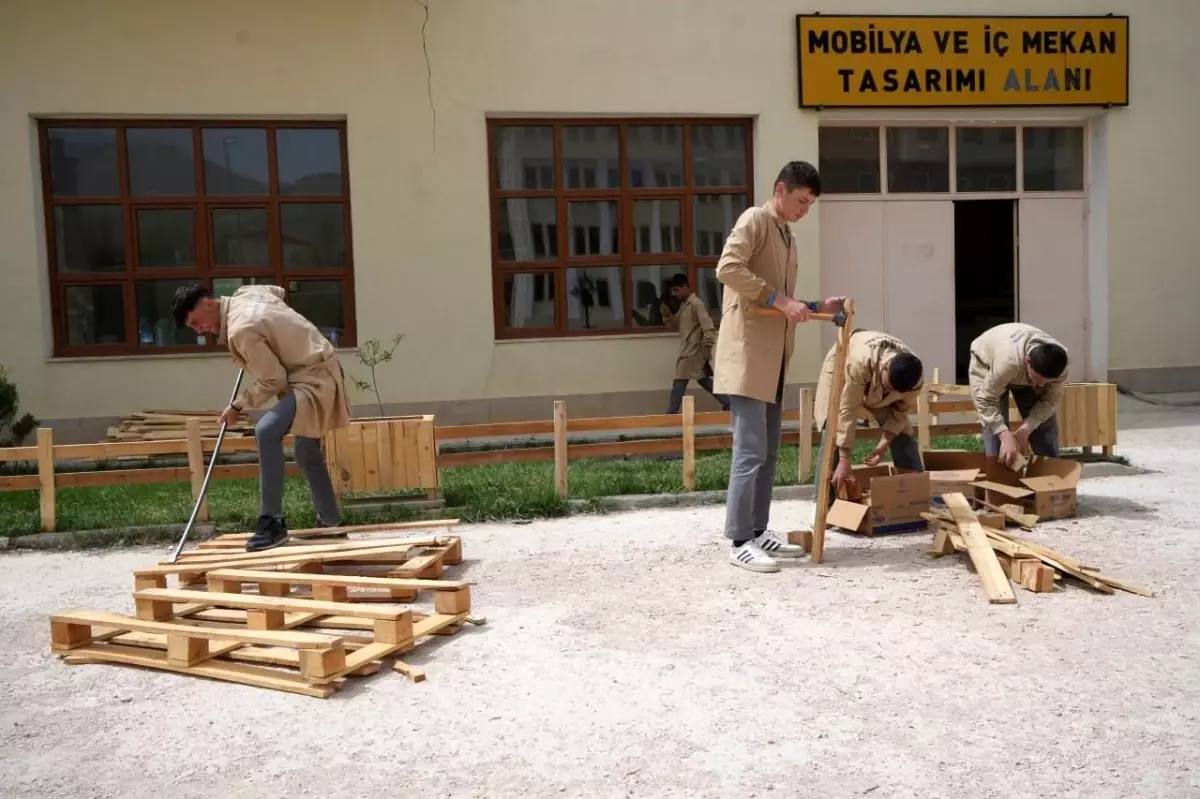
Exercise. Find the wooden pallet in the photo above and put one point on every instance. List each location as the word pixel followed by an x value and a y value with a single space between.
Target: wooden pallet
pixel 169 425
pixel 300 618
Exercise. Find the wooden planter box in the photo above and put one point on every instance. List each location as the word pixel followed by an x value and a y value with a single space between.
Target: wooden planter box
pixel 393 453
pixel 1088 416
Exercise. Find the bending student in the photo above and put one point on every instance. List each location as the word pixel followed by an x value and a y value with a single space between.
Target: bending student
pixel 882 376
pixel 696 338
pixel 758 266
pixel 1027 362
pixel 290 360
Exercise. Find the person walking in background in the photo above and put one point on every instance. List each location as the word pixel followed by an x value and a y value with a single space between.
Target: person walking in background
pixel 696 339
pixel 292 362
pixel 758 267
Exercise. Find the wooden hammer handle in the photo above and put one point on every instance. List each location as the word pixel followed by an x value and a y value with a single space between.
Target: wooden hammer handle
pixel 764 310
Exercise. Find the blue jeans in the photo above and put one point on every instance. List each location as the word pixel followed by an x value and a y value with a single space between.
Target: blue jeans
pixel 1043 441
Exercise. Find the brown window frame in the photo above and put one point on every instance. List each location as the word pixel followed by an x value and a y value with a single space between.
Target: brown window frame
pixel 625 195
pixel 202 205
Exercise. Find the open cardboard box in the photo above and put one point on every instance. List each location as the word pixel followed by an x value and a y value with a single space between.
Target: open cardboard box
pixel 1047 490
pixel 953 472
pixel 893 501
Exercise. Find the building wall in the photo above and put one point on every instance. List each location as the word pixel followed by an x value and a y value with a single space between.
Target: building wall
pixel 418 167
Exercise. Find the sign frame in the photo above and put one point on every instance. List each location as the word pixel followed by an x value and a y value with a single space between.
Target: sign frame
pixel 942 106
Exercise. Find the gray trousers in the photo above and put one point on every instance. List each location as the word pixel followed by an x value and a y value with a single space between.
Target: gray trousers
pixel 756 429
pixel 906 454
pixel 1043 441
pixel 269 434
pixel 679 388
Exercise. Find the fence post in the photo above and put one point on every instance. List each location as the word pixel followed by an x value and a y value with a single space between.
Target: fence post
pixel 806 436
pixel 689 443
pixel 560 448
pixel 935 419
pixel 195 455
pixel 923 436
pixel 45 453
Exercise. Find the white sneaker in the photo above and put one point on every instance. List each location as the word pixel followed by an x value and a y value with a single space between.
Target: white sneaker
pixel 749 556
pixel 777 546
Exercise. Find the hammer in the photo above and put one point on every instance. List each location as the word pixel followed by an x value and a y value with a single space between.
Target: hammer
pixel 838 319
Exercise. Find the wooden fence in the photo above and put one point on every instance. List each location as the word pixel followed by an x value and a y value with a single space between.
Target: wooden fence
pixel 1086 419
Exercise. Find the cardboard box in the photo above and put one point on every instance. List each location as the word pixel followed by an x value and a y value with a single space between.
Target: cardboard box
pixel 893 501
pixel 1047 490
pixel 953 472
pixel 996 521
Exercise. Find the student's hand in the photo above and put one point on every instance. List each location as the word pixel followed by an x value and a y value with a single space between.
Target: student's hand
pixel 1009 448
pixel 832 305
pixel 1022 434
pixel 229 416
pixel 842 473
pixel 876 455
pixel 795 311
pixel 664 310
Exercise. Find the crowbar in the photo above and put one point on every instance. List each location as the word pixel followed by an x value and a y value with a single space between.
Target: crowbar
pixel 237 384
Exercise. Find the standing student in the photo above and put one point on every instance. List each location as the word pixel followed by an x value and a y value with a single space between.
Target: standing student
pixel 291 361
pixel 696 339
pixel 1027 362
pixel 758 268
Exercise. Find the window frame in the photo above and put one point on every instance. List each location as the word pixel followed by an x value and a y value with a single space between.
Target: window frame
pixel 625 195
pixel 952 126
pixel 202 204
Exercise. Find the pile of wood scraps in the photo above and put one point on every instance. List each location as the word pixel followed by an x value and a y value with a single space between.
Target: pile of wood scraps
pixel 167 425
pixel 999 557
pixel 302 618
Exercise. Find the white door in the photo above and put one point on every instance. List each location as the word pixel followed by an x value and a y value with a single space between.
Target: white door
pixel 1052 274
pixel 852 262
pixel 919 280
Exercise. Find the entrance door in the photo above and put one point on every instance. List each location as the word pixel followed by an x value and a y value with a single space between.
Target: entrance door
pixel 985 273
pixel 1053 274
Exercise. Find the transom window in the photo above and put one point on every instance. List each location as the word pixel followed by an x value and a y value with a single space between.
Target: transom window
pixel 591 218
pixel 959 158
pixel 136 209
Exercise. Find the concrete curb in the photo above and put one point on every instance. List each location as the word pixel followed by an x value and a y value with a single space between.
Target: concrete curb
pixel 134 536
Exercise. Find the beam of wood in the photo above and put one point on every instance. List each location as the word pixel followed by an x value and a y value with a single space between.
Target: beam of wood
pixel 316 549
pixel 560 448
pixel 252 602
pixel 294 640
pixel 829 442
pixel 689 443
pixel 804 461
pixel 995 584
pixel 283 559
pixel 357 529
pixel 344 580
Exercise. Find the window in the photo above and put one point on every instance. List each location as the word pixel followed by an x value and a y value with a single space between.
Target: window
pixel 137 208
pixel 1053 159
pixel 849 162
pixel 986 159
pixel 592 218
pixel 918 160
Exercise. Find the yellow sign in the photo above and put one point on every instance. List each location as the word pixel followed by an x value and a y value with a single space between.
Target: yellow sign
pixel 932 62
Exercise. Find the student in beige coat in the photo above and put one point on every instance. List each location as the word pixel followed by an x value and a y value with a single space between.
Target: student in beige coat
pixel 291 361
pixel 758 268
pixel 696 339
pixel 883 377
pixel 1019 359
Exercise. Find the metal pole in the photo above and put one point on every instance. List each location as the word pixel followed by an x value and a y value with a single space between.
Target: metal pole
pixel 208 473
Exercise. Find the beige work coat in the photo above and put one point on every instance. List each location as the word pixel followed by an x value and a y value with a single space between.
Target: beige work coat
pixel 696 338
pixel 997 362
pixel 752 349
pixel 284 352
pixel 866 359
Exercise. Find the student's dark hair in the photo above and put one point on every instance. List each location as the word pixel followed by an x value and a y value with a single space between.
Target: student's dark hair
pixel 185 301
pixel 800 175
pixel 1048 360
pixel 904 372
pixel 679 280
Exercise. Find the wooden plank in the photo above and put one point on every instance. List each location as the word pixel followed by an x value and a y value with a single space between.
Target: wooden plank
pixel 387 461
pixel 231 672
pixel 8 454
pixel 45 465
pixel 924 421
pixel 805 453
pixel 116 621
pixel 995 584
pixel 825 467
pixel 285 604
pixel 356 529
pixel 282 559
pixel 370 449
pixel 412 457
pixel 427 467
pixel 344 580
pixel 560 448
pixel 689 443
pixel 357 462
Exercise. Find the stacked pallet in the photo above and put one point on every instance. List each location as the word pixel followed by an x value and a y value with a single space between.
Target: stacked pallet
pixel 167 425
pixel 301 618
pixel 999 557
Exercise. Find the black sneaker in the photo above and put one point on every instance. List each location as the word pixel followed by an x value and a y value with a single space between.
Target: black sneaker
pixel 271 532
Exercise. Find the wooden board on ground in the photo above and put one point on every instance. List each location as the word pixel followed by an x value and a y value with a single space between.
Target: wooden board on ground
pixel 995 584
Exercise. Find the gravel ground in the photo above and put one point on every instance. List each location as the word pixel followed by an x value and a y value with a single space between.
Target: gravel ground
pixel 624 657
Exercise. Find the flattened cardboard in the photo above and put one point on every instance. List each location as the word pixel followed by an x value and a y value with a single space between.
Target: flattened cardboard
pixel 893 501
